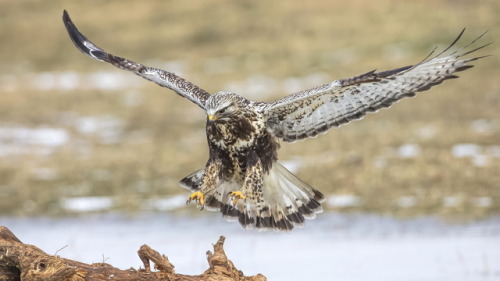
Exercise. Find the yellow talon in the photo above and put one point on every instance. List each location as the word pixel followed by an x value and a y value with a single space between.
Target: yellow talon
pixel 236 195
pixel 198 197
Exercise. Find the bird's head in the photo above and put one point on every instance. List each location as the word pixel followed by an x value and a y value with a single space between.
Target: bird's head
pixel 223 105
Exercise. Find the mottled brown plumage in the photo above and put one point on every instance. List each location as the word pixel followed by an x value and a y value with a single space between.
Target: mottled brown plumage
pixel 242 178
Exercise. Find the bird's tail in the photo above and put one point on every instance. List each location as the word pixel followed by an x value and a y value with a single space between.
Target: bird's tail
pixel 286 200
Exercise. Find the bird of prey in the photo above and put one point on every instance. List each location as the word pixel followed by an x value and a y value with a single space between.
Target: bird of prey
pixel 242 177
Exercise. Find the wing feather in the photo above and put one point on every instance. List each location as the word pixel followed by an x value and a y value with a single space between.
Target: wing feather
pixel 161 77
pixel 314 111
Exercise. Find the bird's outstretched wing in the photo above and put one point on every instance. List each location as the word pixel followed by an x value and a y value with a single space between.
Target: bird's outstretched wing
pixel 163 78
pixel 314 111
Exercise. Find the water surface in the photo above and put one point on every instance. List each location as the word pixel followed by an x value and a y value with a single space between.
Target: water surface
pixel 334 246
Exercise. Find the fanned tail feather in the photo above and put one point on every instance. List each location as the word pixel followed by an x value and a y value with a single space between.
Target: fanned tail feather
pixel 286 201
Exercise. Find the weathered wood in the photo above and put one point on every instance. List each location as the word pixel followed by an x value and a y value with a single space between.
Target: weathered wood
pixel 19 261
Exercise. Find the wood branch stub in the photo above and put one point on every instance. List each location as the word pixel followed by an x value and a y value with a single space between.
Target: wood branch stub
pixel 19 261
pixel 161 262
pixel 221 268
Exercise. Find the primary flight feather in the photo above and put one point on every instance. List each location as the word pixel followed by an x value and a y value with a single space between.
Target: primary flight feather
pixel 242 177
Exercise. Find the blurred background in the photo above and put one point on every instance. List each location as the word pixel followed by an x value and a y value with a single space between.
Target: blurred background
pixel 79 138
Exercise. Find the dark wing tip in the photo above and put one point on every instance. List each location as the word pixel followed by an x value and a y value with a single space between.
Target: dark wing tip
pixel 81 42
pixel 65 15
pixel 387 73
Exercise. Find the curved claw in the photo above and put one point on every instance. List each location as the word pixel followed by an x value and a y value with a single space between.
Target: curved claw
pixel 236 195
pixel 198 198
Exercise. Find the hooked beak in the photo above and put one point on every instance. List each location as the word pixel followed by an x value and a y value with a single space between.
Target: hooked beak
pixel 212 117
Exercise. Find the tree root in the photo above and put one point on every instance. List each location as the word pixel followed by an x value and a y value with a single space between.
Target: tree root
pixel 19 261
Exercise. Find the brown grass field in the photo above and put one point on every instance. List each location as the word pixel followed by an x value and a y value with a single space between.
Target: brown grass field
pixel 136 142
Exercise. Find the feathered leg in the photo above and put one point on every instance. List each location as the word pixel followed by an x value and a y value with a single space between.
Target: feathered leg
pixel 253 182
pixel 209 183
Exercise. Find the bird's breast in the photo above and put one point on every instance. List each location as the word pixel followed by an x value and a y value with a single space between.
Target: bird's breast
pixel 238 130
pixel 233 140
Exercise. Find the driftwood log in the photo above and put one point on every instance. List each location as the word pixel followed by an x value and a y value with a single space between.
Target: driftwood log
pixel 19 261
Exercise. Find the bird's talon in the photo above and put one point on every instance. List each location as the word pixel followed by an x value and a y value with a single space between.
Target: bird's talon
pixel 198 198
pixel 236 195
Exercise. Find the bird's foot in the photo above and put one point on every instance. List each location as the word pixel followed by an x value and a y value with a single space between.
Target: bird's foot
pixel 236 195
pixel 198 198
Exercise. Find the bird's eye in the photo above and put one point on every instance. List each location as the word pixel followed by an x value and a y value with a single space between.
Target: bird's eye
pixel 224 110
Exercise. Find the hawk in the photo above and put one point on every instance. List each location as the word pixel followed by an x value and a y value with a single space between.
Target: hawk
pixel 242 177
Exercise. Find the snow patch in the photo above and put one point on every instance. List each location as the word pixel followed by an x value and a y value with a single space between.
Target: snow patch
pixel 86 204
pixel 165 204
pixel 409 150
pixel 19 140
pixel 343 201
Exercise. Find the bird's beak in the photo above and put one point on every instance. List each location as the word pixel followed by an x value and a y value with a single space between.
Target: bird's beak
pixel 212 117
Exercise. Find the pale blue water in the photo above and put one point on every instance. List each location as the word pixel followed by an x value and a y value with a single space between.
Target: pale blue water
pixel 332 247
